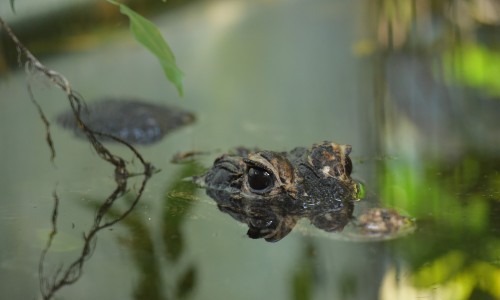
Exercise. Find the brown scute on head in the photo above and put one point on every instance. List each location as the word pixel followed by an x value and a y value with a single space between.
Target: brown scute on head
pixel 331 159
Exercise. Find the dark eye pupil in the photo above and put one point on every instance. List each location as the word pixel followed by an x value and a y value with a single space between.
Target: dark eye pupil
pixel 259 179
pixel 348 166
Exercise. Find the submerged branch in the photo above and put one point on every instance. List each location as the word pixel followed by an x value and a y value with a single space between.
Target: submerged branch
pixel 55 211
pixel 48 136
pixel 64 276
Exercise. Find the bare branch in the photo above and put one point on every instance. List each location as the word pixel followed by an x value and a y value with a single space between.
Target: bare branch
pixel 64 276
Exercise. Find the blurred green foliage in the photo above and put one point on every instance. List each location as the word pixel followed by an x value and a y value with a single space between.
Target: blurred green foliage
pixel 474 65
pixel 456 203
pixel 304 275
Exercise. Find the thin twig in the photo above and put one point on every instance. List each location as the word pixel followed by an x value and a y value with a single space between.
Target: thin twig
pixel 48 137
pixel 66 276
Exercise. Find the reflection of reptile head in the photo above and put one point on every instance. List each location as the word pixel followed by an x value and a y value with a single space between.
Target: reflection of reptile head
pixel 271 191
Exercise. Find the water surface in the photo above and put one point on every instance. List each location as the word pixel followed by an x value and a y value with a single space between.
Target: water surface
pixel 273 75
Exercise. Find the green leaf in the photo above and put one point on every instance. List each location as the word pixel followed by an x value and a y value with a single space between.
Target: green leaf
pixel 146 33
pixel 12 6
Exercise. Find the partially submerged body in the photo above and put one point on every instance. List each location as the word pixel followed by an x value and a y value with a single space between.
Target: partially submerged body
pixel 271 191
pixel 131 120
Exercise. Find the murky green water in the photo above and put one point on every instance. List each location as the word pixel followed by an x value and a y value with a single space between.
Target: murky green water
pixel 407 85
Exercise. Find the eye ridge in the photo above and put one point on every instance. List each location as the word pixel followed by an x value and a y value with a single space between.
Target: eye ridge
pixel 257 164
pixel 259 179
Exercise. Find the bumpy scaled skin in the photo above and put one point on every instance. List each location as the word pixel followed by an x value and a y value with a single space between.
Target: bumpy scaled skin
pixel 271 191
pixel 131 120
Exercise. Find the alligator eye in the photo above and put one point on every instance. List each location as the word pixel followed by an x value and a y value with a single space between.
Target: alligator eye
pixel 348 166
pixel 259 179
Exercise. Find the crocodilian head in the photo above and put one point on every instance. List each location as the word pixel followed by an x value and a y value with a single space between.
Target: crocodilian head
pixel 271 191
